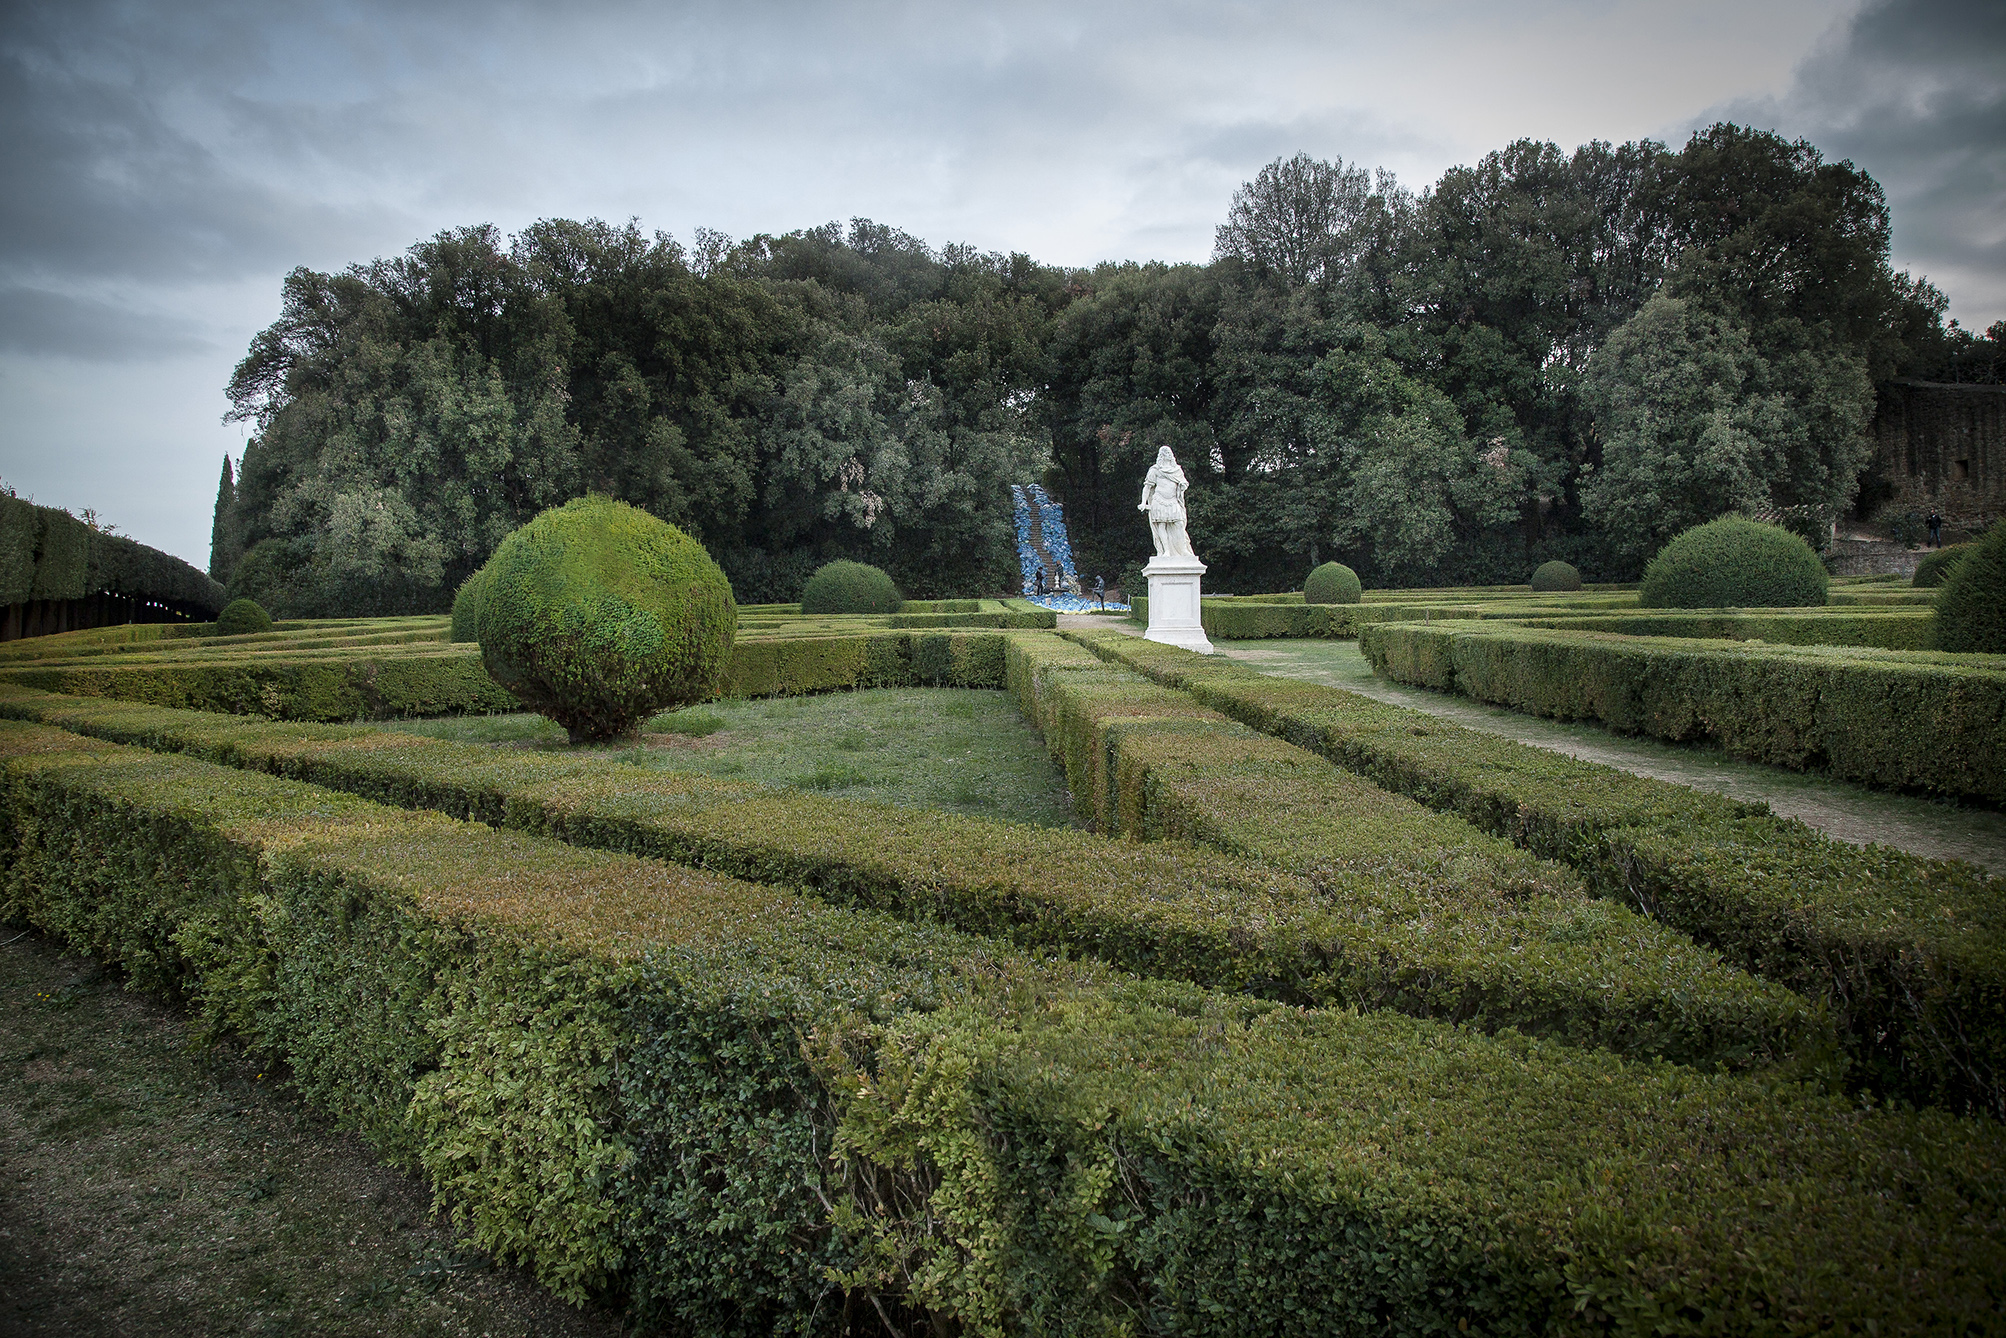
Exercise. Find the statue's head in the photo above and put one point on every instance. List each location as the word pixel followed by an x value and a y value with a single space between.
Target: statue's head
pixel 1164 457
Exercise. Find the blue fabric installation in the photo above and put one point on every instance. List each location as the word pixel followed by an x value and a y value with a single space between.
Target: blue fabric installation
pixel 1028 500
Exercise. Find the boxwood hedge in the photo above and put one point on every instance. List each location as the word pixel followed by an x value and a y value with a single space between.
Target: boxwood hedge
pixel 1923 720
pixel 1508 941
pixel 1908 953
pixel 747 1113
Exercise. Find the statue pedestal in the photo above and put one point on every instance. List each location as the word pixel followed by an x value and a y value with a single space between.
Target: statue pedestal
pixel 1173 603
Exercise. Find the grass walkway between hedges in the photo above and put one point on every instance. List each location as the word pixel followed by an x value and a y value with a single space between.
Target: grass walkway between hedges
pixel 960 749
pixel 1928 827
pixel 152 1191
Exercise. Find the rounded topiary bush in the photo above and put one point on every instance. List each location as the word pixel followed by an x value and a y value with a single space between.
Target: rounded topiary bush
pixel 598 615
pixel 1936 567
pixel 241 617
pixel 1971 611
pixel 850 587
pixel 1333 583
pixel 1552 576
pixel 467 607
pixel 1734 563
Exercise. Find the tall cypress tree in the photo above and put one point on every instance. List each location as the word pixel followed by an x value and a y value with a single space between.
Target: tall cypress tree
pixel 224 547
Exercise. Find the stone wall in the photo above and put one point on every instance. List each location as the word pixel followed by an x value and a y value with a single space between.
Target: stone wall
pixel 1943 446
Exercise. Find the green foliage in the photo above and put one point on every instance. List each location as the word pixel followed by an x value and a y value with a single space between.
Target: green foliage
pixel 756 1113
pixel 473 592
pixel 1935 567
pixel 1860 713
pixel 598 615
pixel 225 543
pixel 1333 583
pixel 1883 629
pixel 1552 576
pixel 1734 563
pixel 241 617
pixel 1971 610
pixel 850 587
pixel 1697 421
pixel 1903 950
pixel 46 553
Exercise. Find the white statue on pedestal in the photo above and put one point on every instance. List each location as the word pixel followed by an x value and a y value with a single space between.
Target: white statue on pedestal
pixel 1163 489
pixel 1173 573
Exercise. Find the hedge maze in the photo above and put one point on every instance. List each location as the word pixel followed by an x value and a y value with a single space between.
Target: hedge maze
pixel 1338 1018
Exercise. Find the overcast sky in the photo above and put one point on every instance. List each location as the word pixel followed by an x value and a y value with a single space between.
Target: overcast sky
pixel 166 164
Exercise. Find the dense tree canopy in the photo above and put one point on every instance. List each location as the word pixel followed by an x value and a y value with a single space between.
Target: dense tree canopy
pixel 1546 355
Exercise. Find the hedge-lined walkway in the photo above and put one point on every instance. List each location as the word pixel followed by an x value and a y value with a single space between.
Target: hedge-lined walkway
pixel 1841 810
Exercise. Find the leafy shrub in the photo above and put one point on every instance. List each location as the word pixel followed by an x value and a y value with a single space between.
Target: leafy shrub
pixel 241 617
pixel 1333 583
pixel 1556 576
pixel 467 607
pixel 1734 563
pixel 850 587
pixel 1971 611
pixel 599 615
pixel 1935 568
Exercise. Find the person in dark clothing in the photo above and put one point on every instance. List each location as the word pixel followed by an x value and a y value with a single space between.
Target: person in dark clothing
pixel 1100 591
pixel 1041 580
pixel 1935 529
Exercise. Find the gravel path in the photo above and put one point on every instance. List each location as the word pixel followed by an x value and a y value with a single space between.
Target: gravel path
pixel 1939 829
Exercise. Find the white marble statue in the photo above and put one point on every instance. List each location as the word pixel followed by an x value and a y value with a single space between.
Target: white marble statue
pixel 1163 491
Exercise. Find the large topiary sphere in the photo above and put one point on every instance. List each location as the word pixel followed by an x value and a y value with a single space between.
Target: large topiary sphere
pixel 1971 611
pixel 598 615
pixel 1734 563
pixel 241 617
pixel 1553 576
pixel 1935 568
pixel 850 587
pixel 467 607
pixel 1333 583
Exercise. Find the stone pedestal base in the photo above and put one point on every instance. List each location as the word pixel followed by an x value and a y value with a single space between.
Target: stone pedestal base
pixel 1173 603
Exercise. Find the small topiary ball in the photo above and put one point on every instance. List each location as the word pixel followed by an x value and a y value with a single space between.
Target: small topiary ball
pixel 1333 583
pixel 467 607
pixel 1556 575
pixel 1734 563
pixel 1935 569
pixel 598 615
pixel 241 617
pixel 1971 611
pixel 850 587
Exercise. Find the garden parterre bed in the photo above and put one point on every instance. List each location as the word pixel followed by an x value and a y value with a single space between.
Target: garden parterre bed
pixel 1332 933
pixel 754 1112
pixel 1927 720
pixel 1906 952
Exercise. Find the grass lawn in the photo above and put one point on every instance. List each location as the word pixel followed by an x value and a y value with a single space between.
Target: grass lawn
pixel 152 1191
pixel 964 750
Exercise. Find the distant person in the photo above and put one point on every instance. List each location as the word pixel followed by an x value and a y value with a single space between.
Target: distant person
pixel 1935 529
pixel 1100 591
pixel 1041 581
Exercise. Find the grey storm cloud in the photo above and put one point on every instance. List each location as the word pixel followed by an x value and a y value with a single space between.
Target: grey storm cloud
pixel 168 161
pixel 1914 92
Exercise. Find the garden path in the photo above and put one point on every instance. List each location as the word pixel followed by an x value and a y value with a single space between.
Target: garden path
pixel 1936 828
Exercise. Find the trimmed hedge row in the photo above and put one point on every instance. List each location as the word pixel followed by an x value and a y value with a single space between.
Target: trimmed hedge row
pixel 46 553
pixel 1511 943
pixel 365 685
pixel 751 1114
pixel 1909 954
pixel 1894 629
pixel 1427 915
pixel 1257 619
pixel 368 684
pixel 1932 721
pixel 184 640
